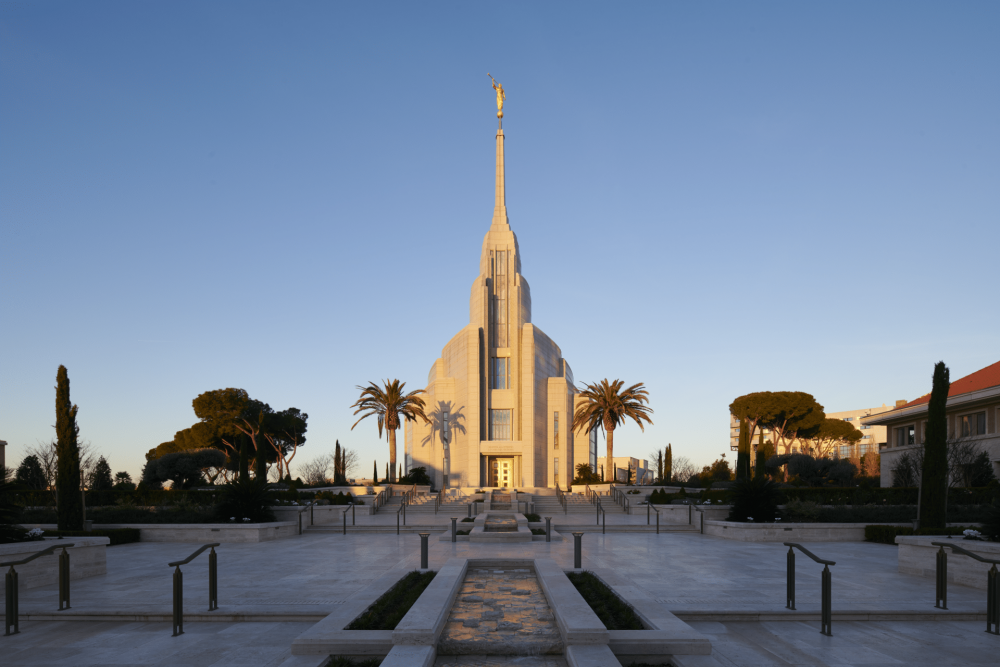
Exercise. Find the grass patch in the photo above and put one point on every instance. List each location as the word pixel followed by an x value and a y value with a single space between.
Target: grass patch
pixel 538 531
pixel 615 613
pixel 386 612
pixel 534 518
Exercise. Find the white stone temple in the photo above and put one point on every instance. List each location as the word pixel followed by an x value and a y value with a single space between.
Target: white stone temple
pixel 500 398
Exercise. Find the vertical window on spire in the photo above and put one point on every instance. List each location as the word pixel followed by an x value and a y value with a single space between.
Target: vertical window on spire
pixel 500 373
pixel 500 299
pixel 555 431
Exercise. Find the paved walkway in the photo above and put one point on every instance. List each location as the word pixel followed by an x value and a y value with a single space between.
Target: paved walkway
pixel 303 578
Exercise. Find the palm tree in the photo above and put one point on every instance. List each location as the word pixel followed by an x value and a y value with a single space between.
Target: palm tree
pixel 388 403
pixel 606 405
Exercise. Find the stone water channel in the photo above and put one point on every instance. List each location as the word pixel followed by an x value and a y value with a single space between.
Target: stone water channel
pixel 501 617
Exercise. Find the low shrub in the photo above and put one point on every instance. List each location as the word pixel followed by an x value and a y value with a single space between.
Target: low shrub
pixel 343 661
pixel 462 532
pixel 754 499
pixel 887 534
pixel 615 613
pixel 532 517
pixel 244 499
pixel 339 498
pixel 468 519
pixel 991 522
pixel 117 535
pixel 538 531
pixel 386 612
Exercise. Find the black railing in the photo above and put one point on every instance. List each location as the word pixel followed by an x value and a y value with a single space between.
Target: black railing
pixel 649 506
pixel 438 500
pixel 309 507
pixel 402 508
pixel 992 584
pixel 827 613
pixel 561 497
pixel 354 518
pixel 11 580
pixel 213 585
pixel 619 497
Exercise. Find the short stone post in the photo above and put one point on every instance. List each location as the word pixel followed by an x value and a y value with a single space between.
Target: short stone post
pixel 470 510
pixel 548 529
pixel 577 551
pixel 423 550
pixel 454 529
pixel 64 579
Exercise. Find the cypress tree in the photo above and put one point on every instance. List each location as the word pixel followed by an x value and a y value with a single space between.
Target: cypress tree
pixel 934 476
pixel 100 479
pixel 375 474
pixel 743 452
pixel 68 493
pixel 668 463
pixel 387 472
pixel 336 463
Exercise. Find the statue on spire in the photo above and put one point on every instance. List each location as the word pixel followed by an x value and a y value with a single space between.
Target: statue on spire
pixel 500 95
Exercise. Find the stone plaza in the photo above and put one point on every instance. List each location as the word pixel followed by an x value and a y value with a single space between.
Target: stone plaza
pixel 276 594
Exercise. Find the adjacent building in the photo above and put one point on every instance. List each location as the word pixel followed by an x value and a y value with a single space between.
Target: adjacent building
pixel 973 413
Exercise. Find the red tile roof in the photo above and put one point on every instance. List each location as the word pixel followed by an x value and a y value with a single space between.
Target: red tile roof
pixel 981 379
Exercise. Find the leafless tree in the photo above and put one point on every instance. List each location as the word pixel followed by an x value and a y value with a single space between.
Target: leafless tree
pixel 350 461
pixel 315 471
pixel 683 469
pixel 46 453
pixel 962 454
pixel 872 464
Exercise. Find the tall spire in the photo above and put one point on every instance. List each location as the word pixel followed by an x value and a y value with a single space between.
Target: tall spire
pixel 500 205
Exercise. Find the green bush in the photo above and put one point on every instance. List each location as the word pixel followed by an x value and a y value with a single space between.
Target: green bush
pixel 247 498
pixel 538 531
pixel 461 532
pixel 339 498
pixel 468 519
pixel 886 534
pixel 343 661
pixel 991 522
pixel 615 613
pixel 754 499
pixel 117 535
pixel 386 612
pixel 532 517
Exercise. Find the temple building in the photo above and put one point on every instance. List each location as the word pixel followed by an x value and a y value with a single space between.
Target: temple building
pixel 500 398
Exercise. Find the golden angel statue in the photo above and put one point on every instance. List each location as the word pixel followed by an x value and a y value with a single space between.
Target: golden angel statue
pixel 500 95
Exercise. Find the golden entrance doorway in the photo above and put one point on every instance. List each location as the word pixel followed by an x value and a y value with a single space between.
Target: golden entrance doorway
pixel 501 472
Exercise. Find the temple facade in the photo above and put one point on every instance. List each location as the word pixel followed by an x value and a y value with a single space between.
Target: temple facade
pixel 500 398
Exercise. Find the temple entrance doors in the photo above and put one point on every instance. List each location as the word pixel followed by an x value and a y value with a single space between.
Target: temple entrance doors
pixel 503 471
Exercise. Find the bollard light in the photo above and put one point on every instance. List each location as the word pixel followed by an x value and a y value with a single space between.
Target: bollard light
pixel 548 529
pixel 423 550
pixel 454 528
pixel 577 551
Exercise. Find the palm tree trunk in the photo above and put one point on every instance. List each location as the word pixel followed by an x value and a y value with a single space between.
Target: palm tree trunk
pixel 610 467
pixel 392 456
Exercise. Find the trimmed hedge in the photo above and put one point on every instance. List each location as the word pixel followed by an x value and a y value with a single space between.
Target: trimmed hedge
pixel 117 535
pixel 887 496
pixel 887 534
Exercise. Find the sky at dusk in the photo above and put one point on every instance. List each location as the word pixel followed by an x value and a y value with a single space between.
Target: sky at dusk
pixel 291 197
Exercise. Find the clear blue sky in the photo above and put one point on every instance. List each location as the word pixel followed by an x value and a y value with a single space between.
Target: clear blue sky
pixel 290 197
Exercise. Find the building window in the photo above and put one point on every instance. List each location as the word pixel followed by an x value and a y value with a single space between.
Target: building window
pixel 555 431
pixel 501 373
pixel 500 424
pixel 905 436
pixel 555 470
pixel 848 419
pixel 500 299
pixel 865 427
pixel 974 424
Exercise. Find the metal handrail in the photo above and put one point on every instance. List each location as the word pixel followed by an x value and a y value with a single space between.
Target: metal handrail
pixel 354 516
pixel 648 507
pixel 437 502
pixel 194 555
pixel 992 584
pixel 402 508
pixel 561 497
pixel 307 507
pixel 826 615
pixel 809 553
pixel 213 585
pixel 11 585
pixel 44 552
pixel 379 501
